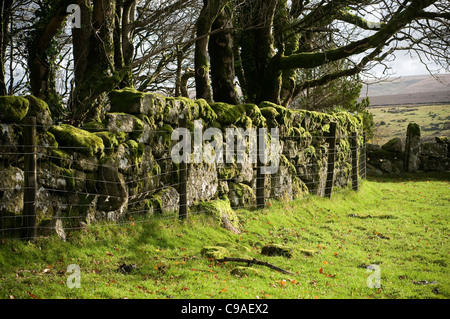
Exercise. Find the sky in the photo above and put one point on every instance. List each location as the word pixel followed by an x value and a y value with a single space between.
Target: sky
pixel 405 65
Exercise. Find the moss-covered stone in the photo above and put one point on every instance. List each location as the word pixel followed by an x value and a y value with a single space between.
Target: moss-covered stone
pixel 241 195
pixel 215 252
pixel 243 115
pixel 39 109
pixel 110 141
pixel 130 101
pixel 221 210
pixel 13 109
pixel 77 140
pixel 206 112
pixel 166 201
pixel 61 158
pixel 94 126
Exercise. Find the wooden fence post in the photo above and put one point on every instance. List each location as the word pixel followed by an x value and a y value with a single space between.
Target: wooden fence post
pixel 183 169
pixel 260 177
pixel 364 157
pixel 354 148
pixel 331 159
pixel 30 179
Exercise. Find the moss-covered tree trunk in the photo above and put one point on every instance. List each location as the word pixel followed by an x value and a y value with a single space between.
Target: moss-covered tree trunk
pixel 257 50
pixel 222 59
pixel 210 10
pixel 80 44
pixel 5 15
pixel 100 72
pixel 41 50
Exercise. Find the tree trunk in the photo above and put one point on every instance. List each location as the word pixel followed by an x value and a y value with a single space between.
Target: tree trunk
pixel 222 59
pixel 257 51
pixel 211 9
pixel 100 63
pixel 5 14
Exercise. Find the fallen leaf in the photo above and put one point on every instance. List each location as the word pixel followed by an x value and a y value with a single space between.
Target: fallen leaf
pixel 321 270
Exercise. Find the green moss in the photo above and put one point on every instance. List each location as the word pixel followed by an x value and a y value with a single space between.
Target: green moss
pixel 244 115
pixel 37 106
pixel 13 109
pixel 78 140
pixel 413 129
pixel 61 158
pixel 165 134
pixel 215 252
pixel 110 141
pixel 121 99
pixel 94 126
pixel 136 151
pixel 269 112
pixel 206 112
pixel 219 209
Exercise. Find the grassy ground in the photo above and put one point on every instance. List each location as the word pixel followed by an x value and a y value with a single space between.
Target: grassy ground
pixel 401 225
pixel 434 120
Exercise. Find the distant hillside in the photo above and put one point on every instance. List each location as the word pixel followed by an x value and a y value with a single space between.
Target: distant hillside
pixel 420 89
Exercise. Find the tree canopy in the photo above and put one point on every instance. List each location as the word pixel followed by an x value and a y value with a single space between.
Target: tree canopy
pixel 307 54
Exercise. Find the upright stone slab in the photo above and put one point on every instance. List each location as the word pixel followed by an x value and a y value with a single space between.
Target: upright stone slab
pixel 412 148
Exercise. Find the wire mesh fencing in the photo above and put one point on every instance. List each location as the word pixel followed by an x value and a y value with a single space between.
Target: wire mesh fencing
pixel 47 187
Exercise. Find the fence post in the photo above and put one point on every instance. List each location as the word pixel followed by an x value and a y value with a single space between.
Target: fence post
pixel 354 148
pixel 183 169
pixel 364 157
pixel 30 179
pixel 331 159
pixel 260 178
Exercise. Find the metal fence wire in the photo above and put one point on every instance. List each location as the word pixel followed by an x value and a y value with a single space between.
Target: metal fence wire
pixel 46 188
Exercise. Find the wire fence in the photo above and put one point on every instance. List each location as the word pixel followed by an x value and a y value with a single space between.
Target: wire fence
pixel 46 187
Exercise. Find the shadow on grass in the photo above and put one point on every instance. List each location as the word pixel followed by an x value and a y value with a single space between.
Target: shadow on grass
pixel 411 177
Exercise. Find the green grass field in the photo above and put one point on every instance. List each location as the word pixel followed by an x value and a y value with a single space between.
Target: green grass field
pixel 434 120
pixel 401 225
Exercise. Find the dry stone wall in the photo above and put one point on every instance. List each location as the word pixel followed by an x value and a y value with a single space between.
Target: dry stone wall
pixel 121 165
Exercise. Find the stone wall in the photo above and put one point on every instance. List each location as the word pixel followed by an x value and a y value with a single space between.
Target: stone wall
pixel 121 165
pixel 395 156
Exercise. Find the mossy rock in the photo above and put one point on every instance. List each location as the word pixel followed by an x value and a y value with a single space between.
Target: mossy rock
pixel 94 126
pixel 276 250
pixel 110 141
pixel 131 101
pixel 123 122
pixel 39 109
pixel 77 140
pixel 215 252
pixel 60 158
pixel 243 115
pixel 394 145
pixel 13 109
pixel 206 112
pixel 221 210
